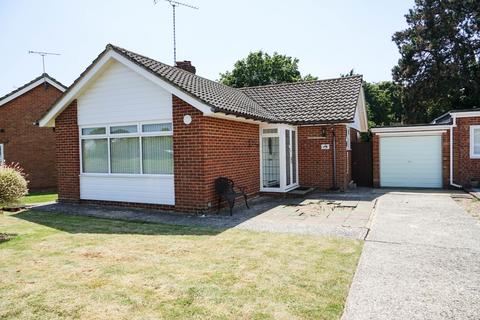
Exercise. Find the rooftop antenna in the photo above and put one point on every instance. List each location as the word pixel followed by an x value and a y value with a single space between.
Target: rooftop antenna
pixel 174 4
pixel 43 54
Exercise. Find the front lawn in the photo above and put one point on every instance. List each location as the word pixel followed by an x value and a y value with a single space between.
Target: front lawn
pixel 60 266
pixel 39 197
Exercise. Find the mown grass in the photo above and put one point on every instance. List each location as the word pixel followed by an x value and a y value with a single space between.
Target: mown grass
pixel 39 197
pixel 69 267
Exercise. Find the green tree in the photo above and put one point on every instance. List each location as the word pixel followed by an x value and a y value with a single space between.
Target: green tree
pixel 440 52
pixel 260 68
pixel 384 103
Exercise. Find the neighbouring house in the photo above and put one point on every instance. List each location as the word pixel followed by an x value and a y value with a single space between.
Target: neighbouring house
pixel 133 131
pixel 21 140
pixel 444 153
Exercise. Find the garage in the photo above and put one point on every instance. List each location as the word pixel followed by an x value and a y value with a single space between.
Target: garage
pixel 411 160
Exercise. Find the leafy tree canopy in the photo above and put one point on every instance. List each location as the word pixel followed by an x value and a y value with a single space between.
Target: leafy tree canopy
pixel 260 68
pixel 440 53
pixel 384 103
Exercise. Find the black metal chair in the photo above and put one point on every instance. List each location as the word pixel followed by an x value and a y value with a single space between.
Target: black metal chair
pixel 225 189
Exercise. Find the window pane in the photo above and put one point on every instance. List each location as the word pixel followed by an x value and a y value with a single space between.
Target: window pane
pixel 270 130
pixel 123 129
pixel 157 127
pixel 476 141
pixel 95 155
pixel 271 162
pixel 157 155
pixel 91 131
pixel 125 155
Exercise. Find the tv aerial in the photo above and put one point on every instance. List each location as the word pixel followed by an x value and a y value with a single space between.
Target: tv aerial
pixel 174 5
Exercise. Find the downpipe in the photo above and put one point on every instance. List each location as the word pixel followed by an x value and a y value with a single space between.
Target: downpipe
pixel 334 148
pixel 454 124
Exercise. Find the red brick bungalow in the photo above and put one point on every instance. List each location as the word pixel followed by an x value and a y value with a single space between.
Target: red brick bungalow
pixel 134 131
pixel 24 142
pixel 444 153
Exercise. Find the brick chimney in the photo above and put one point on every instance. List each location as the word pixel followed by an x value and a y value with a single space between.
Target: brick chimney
pixel 186 65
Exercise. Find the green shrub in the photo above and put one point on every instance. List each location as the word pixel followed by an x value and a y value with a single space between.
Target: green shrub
pixel 13 184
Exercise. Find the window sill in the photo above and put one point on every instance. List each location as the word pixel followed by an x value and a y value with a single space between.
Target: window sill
pixel 125 175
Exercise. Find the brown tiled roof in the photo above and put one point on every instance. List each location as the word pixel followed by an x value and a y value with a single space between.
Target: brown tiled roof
pixel 220 97
pixel 44 75
pixel 322 101
pixel 332 100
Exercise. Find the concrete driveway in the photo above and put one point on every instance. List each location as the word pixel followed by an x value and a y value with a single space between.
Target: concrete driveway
pixel 421 260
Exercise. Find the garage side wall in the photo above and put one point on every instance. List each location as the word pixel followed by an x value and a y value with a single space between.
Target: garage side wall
pixel 464 167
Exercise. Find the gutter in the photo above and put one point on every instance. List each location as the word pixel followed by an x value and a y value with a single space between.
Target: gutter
pixel 454 125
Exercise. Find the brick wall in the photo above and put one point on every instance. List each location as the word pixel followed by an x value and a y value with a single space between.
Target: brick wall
pixel 465 167
pixel 376 160
pixel 446 159
pixel 203 150
pixel 68 156
pixel 207 149
pixel 316 165
pixel 24 142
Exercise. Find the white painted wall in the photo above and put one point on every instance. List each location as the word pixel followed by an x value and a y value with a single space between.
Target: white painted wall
pixel 120 95
pixel 156 190
pixel 411 161
pixel 356 120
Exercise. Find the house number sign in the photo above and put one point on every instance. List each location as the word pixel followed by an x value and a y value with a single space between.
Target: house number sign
pixel 325 146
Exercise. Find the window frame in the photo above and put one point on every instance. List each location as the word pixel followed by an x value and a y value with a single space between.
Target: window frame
pixel 473 155
pixel 139 134
pixel 2 153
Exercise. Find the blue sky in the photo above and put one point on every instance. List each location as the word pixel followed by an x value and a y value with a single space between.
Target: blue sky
pixel 329 37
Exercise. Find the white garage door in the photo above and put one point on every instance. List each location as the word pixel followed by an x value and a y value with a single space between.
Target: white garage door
pixel 411 161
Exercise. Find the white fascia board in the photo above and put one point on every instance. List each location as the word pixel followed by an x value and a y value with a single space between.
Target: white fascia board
pixel 466 114
pixel 221 115
pixel 410 134
pixel 30 87
pixel 49 119
pixel 411 129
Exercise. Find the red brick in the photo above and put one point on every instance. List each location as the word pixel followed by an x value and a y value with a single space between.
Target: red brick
pixel 26 143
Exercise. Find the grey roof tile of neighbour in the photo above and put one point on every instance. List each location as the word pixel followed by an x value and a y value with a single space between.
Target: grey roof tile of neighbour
pixel 44 75
pixel 330 100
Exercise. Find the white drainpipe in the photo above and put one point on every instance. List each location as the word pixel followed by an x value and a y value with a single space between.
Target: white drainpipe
pixel 454 124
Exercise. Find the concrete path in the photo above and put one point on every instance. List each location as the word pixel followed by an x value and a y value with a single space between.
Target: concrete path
pixel 335 214
pixel 421 260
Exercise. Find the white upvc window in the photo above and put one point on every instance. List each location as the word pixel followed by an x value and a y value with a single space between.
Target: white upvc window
pixel 2 154
pixel 129 149
pixel 475 141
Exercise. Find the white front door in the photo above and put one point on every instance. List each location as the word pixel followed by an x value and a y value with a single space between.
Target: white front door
pixel 411 161
pixel 278 154
pixel 290 157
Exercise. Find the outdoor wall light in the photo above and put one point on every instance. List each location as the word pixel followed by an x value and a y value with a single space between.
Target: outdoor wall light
pixel 323 132
pixel 187 119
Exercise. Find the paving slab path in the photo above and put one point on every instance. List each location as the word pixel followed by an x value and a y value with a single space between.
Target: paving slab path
pixel 421 260
pixel 271 214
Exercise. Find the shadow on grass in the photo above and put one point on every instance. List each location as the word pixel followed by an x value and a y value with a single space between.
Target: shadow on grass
pixel 84 224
